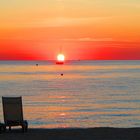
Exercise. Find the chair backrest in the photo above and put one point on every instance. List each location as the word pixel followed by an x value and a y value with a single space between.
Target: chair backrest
pixel 12 109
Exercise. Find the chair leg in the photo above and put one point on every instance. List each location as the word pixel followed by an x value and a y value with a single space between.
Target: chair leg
pixel 23 129
pixel 26 127
pixel 4 128
pixel 9 128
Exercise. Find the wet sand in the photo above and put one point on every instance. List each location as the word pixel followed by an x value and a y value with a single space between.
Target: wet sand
pixel 73 134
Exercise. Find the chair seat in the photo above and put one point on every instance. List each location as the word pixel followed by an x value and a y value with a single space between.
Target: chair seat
pixel 16 123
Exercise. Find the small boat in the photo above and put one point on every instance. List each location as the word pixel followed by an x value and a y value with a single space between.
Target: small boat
pixel 60 62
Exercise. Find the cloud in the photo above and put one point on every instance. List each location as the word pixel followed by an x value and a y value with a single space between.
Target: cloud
pixel 89 39
pixel 66 21
pixel 56 22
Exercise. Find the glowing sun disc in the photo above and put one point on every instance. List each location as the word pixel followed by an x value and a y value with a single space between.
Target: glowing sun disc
pixel 60 57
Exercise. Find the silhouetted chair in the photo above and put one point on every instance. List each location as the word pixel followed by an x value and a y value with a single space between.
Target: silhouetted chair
pixel 13 112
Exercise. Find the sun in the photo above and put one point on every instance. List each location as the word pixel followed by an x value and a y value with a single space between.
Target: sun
pixel 60 57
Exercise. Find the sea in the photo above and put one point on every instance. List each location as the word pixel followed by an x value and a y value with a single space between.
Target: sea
pixel 77 94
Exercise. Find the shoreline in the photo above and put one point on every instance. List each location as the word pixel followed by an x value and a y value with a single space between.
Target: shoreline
pixel 99 133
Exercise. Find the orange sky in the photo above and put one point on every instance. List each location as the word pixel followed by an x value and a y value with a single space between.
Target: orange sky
pixel 85 29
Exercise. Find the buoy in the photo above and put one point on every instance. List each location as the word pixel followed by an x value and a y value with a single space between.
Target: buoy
pixel 61 74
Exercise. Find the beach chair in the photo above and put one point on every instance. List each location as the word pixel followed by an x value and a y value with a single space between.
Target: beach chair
pixel 13 112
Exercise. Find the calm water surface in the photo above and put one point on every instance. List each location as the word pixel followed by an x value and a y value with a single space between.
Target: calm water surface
pixel 89 94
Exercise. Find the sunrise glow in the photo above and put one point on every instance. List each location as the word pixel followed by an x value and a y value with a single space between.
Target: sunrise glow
pixel 87 29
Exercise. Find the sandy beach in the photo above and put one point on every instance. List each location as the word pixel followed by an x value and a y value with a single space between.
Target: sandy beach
pixel 74 134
